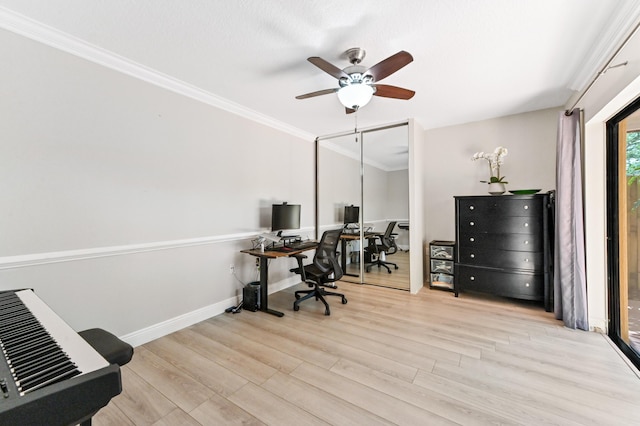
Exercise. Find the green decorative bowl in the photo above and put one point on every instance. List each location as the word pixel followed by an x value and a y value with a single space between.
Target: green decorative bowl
pixel 524 191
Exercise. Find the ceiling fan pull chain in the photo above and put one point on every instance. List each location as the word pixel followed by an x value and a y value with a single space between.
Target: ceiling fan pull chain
pixel 356 129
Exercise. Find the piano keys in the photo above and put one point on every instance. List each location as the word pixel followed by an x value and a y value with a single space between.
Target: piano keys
pixel 49 374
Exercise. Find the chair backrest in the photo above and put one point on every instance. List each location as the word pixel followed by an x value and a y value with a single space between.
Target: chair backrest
pixel 325 258
pixel 388 242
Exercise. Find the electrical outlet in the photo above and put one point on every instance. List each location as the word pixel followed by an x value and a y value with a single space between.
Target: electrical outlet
pixel 232 268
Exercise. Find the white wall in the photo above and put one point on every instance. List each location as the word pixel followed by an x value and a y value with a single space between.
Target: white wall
pixel 595 204
pixel 338 185
pixel 386 193
pixel 610 93
pixel 398 203
pixel 397 195
pixel 449 171
pixel 376 205
pixel 124 203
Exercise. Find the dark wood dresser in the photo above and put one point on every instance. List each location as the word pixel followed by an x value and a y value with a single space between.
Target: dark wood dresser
pixel 504 246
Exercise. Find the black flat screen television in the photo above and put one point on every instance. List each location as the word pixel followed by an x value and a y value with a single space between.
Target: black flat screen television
pixel 285 216
pixel 351 214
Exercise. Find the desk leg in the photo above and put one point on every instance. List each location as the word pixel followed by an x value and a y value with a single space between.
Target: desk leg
pixel 343 246
pixel 264 293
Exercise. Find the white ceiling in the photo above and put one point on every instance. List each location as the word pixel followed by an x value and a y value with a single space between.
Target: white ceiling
pixel 473 59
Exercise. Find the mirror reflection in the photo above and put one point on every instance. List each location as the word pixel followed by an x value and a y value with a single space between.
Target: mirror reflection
pixel 367 172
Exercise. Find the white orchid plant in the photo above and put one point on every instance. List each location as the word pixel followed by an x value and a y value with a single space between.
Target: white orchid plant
pixel 495 159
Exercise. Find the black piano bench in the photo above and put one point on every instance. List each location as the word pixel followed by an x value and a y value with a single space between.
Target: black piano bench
pixel 114 350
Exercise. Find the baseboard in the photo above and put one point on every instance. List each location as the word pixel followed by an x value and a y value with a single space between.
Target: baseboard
pixel 145 335
pixel 140 337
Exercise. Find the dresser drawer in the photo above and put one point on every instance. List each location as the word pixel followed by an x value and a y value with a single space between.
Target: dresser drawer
pixel 445 266
pixel 500 206
pixel 506 225
pixel 519 242
pixel 504 259
pixel 509 284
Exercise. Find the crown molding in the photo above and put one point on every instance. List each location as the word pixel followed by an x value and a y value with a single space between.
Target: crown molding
pixel 626 16
pixel 37 31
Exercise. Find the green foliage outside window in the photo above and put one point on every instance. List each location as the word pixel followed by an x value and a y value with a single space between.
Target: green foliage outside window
pixel 633 160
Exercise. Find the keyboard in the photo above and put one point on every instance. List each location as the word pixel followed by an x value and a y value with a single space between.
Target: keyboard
pixel 301 245
pixel 297 245
pixel 49 373
pixel 281 249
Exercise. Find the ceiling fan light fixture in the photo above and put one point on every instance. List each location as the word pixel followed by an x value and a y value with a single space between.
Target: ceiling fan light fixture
pixel 355 96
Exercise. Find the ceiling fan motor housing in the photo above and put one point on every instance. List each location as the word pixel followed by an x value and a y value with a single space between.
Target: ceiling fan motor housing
pixel 355 55
pixel 357 75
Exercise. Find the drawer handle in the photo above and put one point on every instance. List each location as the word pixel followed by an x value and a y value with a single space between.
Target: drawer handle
pixel 472 278
pixel 526 225
pixel 526 284
pixel 473 255
pixel 526 260
pixel 471 223
pixel 526 207
pixel 471 207
pixel 526 242
pixel 472 239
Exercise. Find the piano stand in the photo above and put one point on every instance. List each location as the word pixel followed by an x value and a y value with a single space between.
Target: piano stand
pixel 114 350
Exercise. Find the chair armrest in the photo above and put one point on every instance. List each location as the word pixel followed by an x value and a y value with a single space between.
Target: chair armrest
pixel 300 269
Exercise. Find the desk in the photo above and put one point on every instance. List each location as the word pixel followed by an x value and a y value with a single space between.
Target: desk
pixel 264 257
pixel 344 239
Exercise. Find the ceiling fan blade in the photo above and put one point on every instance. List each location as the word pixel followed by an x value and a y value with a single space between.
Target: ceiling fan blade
pixel 327 67
pixel 318 93
pixel 387 91
pixel 390 65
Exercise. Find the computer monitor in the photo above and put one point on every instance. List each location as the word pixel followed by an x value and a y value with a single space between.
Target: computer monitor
pixel 351 214
pixel 285 216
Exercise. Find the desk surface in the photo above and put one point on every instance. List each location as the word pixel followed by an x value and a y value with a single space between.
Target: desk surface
pixel 357 236
pixel 264 256
pixel 272 254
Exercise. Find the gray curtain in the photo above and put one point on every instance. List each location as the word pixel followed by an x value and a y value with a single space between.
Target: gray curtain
pixel 570 287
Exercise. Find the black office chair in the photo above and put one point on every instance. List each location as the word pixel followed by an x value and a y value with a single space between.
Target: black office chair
pixel 387 245
pixel 323 272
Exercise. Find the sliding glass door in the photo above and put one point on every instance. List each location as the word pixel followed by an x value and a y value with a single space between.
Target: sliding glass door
pixel 623 194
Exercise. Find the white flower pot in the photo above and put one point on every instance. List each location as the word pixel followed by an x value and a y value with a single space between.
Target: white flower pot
pixel 496 188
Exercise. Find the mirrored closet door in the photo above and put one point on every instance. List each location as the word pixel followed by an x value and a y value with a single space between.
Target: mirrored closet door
pixel 366 173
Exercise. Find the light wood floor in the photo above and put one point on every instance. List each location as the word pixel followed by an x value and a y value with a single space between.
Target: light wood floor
pixel 386 357
pixel 398 278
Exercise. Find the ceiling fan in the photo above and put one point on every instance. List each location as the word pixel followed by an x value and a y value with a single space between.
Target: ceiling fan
pixel 358 84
